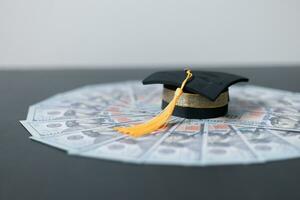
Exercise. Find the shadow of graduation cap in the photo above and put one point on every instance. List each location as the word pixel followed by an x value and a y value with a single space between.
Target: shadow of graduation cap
pixel 187 94
pixel 204 96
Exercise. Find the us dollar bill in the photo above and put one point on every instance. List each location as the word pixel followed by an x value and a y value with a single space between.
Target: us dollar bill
pixel 182 146
pixel 79 140
pixel 259 119
pixel 42 113
pixel 48 128
pixel 266 144
pixel 223 145
pixel 152 92
pixel 149 101
pixel 291 137
pixel 93 95
pixel 259 99
pixel 128 149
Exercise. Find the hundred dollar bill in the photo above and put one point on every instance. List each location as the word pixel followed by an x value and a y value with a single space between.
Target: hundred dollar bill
pixel 267 91
pixel 100 89
pixel 266 144
pixel 79 140
pixel 79 100
pixel 128 149
pixel 259 119
pixel 96 104
pixel 140 96
pixel 281 106
pixel 223 145
pixel 39 113
pixel 147 101
pixel 48 128
pixel 291 137
pixel 92 96
pixel 182 146
pixel 259 99
pixel 258 91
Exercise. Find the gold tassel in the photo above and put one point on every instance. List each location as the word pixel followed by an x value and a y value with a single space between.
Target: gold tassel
pixel 158 121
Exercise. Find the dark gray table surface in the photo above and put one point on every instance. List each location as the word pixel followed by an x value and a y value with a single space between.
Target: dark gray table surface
pixel 30 170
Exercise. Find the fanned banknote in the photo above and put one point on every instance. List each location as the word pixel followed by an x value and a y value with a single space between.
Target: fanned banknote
pixel 129 149
pixel 262 124
pixel 79 140
pixel 260 119
pixel 47 128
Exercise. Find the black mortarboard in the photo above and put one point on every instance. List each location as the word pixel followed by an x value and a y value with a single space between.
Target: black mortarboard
pixel 205 95
pixel 194 95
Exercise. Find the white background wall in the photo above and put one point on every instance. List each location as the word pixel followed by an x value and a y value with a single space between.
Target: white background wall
pixel 70 33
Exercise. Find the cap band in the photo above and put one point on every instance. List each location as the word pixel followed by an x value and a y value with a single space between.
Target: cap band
pixel 197 113
pixel 196 100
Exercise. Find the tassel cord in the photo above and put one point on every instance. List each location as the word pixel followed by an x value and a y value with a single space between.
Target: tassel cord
pixel 161 119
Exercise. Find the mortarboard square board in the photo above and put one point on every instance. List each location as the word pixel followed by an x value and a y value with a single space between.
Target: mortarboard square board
pixel 205 95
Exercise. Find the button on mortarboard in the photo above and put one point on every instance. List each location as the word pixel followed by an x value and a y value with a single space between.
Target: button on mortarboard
pixel 205 95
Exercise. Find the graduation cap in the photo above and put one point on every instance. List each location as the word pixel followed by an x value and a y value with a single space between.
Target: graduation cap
pixel 187 94
pixel 204 96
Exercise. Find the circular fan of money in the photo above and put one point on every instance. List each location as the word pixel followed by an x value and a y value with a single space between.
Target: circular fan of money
pixel 262 125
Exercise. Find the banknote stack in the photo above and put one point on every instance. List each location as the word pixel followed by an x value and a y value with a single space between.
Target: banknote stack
pixel 263 124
